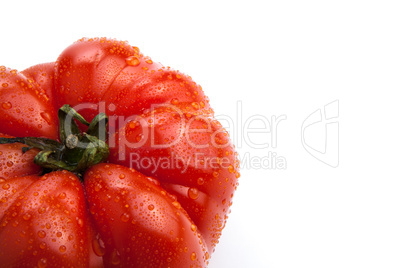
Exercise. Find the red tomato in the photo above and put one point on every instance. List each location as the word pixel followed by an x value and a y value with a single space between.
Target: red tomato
pixel 94 71
pixel 46 223
pixel 136 214
pixel 43 76
pixel 26 109
pixel 197 166
pixel 162 199
pixel 15 163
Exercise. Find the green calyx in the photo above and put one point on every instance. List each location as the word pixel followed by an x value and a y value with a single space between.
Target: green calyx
pixel 77 150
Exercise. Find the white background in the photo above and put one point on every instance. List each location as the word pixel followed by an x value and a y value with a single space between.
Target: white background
pixel 273 58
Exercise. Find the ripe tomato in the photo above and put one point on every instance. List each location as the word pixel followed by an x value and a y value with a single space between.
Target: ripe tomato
pixel 163 195
pixel 43 76
pixel 26 109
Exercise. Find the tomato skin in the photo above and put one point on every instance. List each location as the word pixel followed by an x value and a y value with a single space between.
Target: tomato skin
pixel 95 70
pixel 17 185
pixel 85 70
pixel 43 76
pixel 14 163
pixel 198 165
pixel 167 214
pixel 140 224
pixel 25 109
pixel 47 224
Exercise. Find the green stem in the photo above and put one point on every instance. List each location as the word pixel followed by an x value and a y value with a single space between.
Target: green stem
pixel 77 151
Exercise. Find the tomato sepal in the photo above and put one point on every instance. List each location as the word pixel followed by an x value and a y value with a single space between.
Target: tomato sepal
pixel 77 150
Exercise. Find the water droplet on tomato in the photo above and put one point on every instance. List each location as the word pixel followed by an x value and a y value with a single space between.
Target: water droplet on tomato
pixel 136 49
pixel 132 61
pixel 27 216
pixel 133 124
pixel 23 233
pixel 6 105
pixel 193 193
pixel 98 247
pixel 6 186
pixel 154 181
pixel 41 210
pixel 215 174
pixel 41 234
pixel 174 101
pixel 4 85
pixel 231 169
pixel 149 61
pixel 98 187
pixel 62 249
pixel 42 245
pixel 124 217
pixel 200 181
pixel 115 258
pixel 151 207
pixel 195 105
pixel 46 117
pixel 193 256
pixel 176 204
pixel 139 137
pixel 42 263
pixel 193 227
